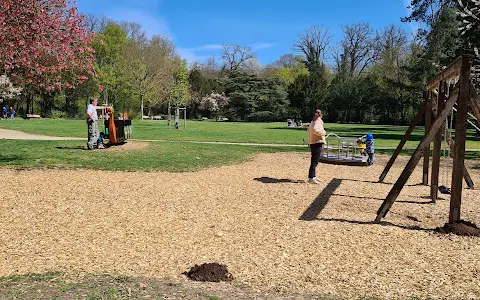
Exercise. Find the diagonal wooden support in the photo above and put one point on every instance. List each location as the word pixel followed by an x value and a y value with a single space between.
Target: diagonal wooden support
pixel 417 155
pixel 413 123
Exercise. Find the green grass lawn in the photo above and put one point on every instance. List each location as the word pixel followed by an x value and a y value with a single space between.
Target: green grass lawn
pixel 274 133
pixel 164 156
pixel 175 155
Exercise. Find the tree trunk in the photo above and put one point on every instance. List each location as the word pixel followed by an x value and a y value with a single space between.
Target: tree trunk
pixel 177 113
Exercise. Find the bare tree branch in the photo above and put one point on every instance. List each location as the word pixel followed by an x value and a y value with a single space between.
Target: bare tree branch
pixel 235 56
pixel 314 44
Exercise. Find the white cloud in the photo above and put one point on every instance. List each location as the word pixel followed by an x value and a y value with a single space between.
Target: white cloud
pixel 260 46
pixel 208 47
pixel 191 56
pixel 150 23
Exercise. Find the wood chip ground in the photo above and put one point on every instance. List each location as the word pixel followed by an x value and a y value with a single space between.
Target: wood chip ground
pixel 161 224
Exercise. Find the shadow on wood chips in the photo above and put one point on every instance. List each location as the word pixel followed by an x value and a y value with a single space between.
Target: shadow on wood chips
pixel 212 272
pixel 275 180
pixel 462 228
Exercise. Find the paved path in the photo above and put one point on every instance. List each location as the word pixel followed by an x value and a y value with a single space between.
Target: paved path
pixel 19 135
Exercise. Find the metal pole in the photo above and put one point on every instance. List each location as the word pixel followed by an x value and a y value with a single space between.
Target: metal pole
pixel 185 118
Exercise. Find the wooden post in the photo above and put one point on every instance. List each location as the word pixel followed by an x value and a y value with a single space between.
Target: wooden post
pixel 460 137
pixel 428 123
pixel 437 145
pixel 410 129
pixel 417 155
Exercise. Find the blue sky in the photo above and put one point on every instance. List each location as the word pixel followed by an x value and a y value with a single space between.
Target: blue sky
pixel 199 28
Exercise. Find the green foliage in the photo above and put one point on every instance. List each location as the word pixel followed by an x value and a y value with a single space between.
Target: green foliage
pixel 109 52
pixel 308 92
pixel 181 90
pixel 254 97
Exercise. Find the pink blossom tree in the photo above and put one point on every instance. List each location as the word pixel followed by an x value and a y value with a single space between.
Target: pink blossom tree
pixel 44 44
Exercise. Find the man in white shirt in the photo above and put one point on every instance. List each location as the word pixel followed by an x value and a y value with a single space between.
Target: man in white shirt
pixel 92 118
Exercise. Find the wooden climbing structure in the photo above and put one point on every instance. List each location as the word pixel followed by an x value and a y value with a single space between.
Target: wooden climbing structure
pixel 450 87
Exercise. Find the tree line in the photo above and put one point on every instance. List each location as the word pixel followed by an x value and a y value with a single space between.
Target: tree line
pixel 53 59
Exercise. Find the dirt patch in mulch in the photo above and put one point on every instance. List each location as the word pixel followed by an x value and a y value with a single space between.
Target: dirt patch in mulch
pixel 212 272
pixel 462 228
pixel 127 146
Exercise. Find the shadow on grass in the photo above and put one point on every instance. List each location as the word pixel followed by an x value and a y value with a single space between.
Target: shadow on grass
pixel 71 148
pixel 6 158
pixel 275 180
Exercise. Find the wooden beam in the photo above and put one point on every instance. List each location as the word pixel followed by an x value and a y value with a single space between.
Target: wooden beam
pixel 450 72
pixel 428 124
pixel 460 138
pixel 410 129
pixel 417 155
pixel 437 144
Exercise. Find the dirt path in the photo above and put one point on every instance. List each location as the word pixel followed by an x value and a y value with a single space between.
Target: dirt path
pixel 274 232
pixel 19 135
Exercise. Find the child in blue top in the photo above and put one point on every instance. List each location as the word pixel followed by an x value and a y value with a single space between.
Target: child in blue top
pixel 369 147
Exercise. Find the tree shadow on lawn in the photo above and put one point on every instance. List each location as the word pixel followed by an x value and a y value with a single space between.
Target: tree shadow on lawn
pixel 6 158
pixel 71 148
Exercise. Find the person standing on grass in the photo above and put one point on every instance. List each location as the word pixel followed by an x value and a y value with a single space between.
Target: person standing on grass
pixel 12 113
pixel 4 112
pixel 316 139
pixel 92 118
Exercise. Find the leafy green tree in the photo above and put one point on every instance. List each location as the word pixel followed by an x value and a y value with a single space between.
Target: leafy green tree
pixel 149 67
pixel 307 93
pixel 109 49
pixel 181 90
pixel 255 98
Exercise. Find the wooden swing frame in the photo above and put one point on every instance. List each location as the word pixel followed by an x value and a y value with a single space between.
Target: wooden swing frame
pixel 463 94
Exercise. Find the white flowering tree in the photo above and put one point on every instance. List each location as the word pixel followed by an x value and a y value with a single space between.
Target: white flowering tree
pixel 213 103
pixel 7 90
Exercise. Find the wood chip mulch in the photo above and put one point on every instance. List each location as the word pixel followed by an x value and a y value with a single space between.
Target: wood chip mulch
pixel 274 231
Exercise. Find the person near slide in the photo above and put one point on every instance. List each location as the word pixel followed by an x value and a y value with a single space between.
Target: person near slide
pixel 316 139
pixel 92 118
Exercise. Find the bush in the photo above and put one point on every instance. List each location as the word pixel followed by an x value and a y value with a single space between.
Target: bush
pixel 58 114
pixel 261 116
